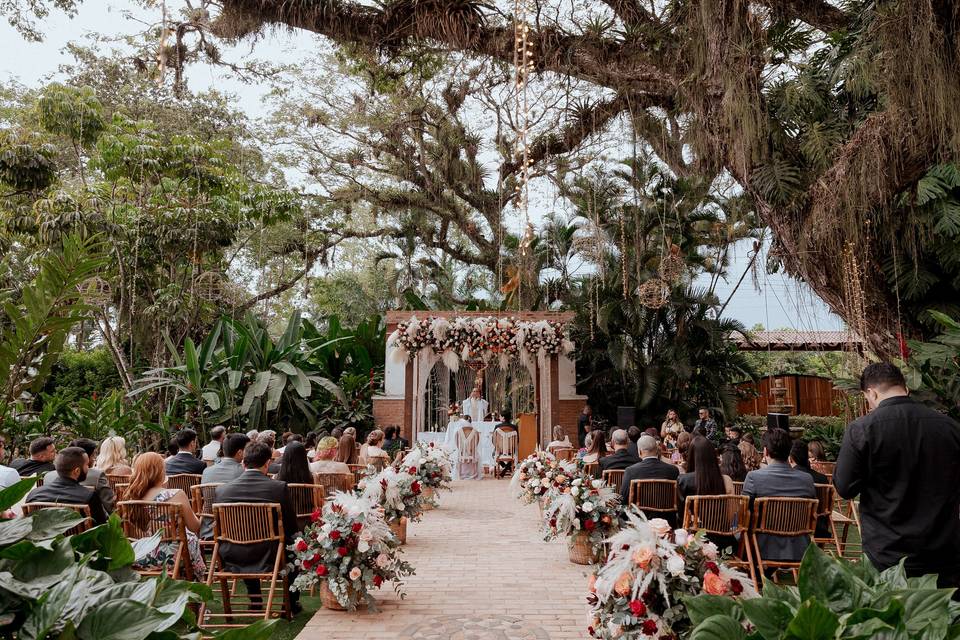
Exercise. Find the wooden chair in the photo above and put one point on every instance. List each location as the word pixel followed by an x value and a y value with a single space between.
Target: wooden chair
pixel 245 524
pixel 782 517
pixel 592 469
pixel 723 516
pixel 143 518
pixel 306 499
pixel 659 496
pixel 825 504
pixel 120 490
pixel 358 470
pixel 824 467
pixel 737 488
pixel 613 478
pixel 852 551
pixel 564 453
pixel 117 478
pixel 184 482
pixel 332 482
pixel 82 509
pixel 202 498
pixel 505 451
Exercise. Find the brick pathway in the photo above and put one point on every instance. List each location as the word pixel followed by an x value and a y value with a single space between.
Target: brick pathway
pixel 483 573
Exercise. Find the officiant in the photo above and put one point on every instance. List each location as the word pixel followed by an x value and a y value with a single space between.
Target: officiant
pixel 475 406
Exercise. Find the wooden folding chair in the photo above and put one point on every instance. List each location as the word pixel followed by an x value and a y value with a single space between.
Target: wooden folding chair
pixel 824 467
pixel 592 469
pixel 184 481
pixel 564 453
pixel 117 478
pixel 120 490
pixel 143 518
pixel 82 509
pixel 202 498
pixel 306 499
pixel 782 517
pixel 613 478
pixel 359 472
pixel 332 482
pixel 723 516
pixel 737 488
pixel 246 524
pixel 825 504
pixel 849 550
pixel 658 496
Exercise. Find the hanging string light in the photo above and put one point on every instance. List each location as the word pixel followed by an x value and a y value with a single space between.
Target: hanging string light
pixel 523 67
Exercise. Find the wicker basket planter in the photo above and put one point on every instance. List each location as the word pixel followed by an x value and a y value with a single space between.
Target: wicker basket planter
pixel 329 601
pixel 428 494
pixel 399 529
pixel 580 549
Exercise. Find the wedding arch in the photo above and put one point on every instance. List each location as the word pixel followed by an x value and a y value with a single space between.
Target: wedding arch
pixel 523 360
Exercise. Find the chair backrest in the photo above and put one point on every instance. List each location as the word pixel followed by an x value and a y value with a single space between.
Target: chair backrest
pixel 184 481
pixel 592 469
pixel 358 470
pixel 737 488
pixel 564 453
pixel 505 443
pixel 468 440
pixel 202 498
pixel 118 478
pixel 120 490
pixel 379 463
pixel 824 467
pixel 39 482
pixel 306 498
pixel 334 482
pixel 143 518
pixel 654 495
pixel 785 516
pixel 613 478
pixel 82 509
pixel 824 499
pixel 720 515
pixel 247 522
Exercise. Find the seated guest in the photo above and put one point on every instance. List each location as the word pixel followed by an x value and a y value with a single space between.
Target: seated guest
pixel 346 449
pixel 42 453
pixel 172 447
pixel 372 453
pixel 748 451
pixel 352 432
pixel 254 486
pixel 779 479
pixel 113 457
pixel 185 460
pixel 65 487
pixel 253 434
pixel 337 433
pixel 211 450
pixel 8 476
pixel 324 461
pixel 310 444
pixel 621 457
pixel 268 438
pixel 679 457
pixel 650 467
pixel 799 460
pixel 95 478
pixel 731 463
pixel 703 476
pixel 594 442
pixel 226 469
pixel 560 439
pixel 148 483
pixel 815 452
pixel 294 467
pixel 393 442
pixel 634 434
pixel 284 439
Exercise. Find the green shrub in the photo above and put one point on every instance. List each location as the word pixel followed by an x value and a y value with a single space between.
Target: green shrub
pixel 832 599
pixel 827 429
pixel 83 374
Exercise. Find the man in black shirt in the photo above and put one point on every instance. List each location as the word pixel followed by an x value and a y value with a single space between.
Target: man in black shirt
pixel 42 453
pixel 66 488
pixel 901 459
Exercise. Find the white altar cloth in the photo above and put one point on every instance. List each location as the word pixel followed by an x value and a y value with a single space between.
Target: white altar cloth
pixel 447 440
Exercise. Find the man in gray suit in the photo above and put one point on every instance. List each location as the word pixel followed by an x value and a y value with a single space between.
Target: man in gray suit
pixel 226 469
pixel 779 479
pixel 94 478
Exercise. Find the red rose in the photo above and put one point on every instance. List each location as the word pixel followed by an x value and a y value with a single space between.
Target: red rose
pixel 553 523
pixel 301 545
pixel 415 487
pixel 315 515
pixel 321 570
pixel 377 581
pixel 307 565
pixel 342 551
pixel 334 535
pixel 736 587
pixel 357 527
pixel 649 627
pixel 637 608
pixel 413 471
pixel 589 525
pixel 712 567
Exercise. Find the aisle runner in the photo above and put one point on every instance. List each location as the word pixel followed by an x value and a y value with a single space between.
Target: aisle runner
pixel 483 573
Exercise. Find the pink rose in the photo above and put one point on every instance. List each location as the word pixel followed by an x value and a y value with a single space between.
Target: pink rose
pixel 355 573
pixel 714 584
pixel 660 526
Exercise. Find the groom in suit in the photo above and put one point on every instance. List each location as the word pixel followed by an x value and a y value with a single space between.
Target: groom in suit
pixel 254 485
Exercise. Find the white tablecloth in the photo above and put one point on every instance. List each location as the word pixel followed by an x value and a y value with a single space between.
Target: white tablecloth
pixel 448 441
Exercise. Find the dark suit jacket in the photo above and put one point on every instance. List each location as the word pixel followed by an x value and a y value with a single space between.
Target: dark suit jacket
pixel 618 460
pixel 647 469
pixel 779 479
pixel 96 480
pixel 184 463
pixel 253 486
pixel 69 491
pixel 27 467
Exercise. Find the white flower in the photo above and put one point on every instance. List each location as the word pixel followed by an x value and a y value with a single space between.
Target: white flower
pixel 383 561
pixel 577 482
pixel 355 573
pixel 587 507
pixel 681 536
pixel 596 484
pixel 575 491
pixel 615 630
pixel 366 536
pixel 675 565
pixel 709 550
pixel 363 546
pixel 532 483
pixel 660 526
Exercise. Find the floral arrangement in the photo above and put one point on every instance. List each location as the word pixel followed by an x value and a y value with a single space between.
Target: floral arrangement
pixel 351 549
pixel 526 484
pixel 398 493
pixel 586 506
pixel 639 592
pixel 558 476
pixel 431 466
pixel 472 338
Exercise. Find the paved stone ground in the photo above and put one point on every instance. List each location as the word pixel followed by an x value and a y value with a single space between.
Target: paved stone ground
pixel 483 573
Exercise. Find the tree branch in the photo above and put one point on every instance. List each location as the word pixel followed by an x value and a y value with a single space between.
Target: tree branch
pixel 816 13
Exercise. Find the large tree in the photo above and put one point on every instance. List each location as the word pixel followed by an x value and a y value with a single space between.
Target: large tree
pixel 828 115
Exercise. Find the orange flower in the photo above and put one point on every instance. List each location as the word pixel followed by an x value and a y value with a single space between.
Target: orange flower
pixel 642 557
pixel 593 583
pixel 606 519
pixel 714 584
pixel 623 585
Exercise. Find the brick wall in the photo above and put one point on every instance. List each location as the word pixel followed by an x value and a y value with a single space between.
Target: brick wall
pixel 569 412
pixel 388 411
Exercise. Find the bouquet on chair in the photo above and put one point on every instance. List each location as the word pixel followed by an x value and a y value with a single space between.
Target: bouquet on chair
pixel 587 510
pixel 398 493
pixel 432 468
pixel 349 550
pixel 527 482
pixel 639 592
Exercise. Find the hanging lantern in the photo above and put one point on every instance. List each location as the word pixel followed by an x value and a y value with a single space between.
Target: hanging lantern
pixel 654 293
pixel 672 265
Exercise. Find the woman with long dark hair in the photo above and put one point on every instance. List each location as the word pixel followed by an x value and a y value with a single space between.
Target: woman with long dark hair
pixel 294 467
pixel 347 449
pixel 731 463
pixel 703 476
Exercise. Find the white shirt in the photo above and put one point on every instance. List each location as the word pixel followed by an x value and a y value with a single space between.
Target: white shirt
pixel 476 408
pixel 8 477
pixel 210 451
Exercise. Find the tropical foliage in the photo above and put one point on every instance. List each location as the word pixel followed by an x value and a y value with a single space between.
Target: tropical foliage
pixel 934 372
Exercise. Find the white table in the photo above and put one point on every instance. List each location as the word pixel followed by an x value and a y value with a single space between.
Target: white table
pixel 447 440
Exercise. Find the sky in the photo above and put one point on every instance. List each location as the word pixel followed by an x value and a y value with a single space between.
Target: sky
pixel 780 302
